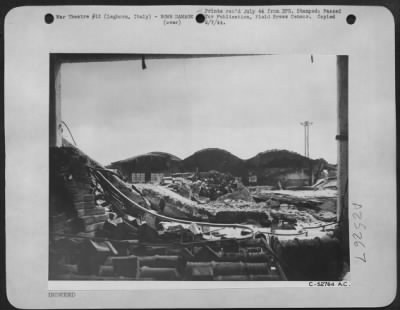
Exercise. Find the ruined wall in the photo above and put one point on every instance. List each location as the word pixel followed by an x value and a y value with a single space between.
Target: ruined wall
pixel 74 202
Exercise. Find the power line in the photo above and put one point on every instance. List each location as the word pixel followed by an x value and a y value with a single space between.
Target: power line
pixel 70 133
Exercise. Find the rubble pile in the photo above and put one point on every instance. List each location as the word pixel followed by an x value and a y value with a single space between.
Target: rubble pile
pixel 321 204
pixel 76 208
pixel 215 184
pixel 226 260
pixel 171 203
pixel 313 196
pixel 181 187
pixel 102 228
pixel 90 215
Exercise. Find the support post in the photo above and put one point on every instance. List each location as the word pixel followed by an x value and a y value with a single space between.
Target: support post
pixel 343 150
pixel 305 140
pixel 55 129
pixel 308 141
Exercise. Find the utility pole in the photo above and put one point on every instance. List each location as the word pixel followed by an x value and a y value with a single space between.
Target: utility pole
pixel 306 125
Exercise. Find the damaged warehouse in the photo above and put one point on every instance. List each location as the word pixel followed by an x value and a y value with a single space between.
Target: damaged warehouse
pixel 268 168
pixel 202 218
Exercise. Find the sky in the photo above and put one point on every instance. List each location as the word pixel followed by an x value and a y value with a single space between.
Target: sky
pixel 243 104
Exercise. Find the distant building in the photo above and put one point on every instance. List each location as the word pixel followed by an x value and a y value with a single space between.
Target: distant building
pixel 156 177
pixel 150 167
pixel 138 177
pixel 271 168
pixel 277 177
pixel 297 178
pixel 252 179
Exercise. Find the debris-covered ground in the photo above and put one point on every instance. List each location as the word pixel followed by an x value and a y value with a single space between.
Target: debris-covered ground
pixel 203 227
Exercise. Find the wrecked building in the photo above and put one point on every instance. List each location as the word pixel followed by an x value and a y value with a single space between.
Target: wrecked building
pixel 148 166
pixel 268 168
pixel 104 227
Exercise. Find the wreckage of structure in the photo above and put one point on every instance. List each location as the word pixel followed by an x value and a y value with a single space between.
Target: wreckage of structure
pixel 102 228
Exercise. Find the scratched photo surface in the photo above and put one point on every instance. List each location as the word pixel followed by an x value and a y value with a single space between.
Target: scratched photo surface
pixel 198 167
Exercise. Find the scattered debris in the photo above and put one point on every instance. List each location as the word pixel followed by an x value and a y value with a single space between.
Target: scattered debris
pixel 203 226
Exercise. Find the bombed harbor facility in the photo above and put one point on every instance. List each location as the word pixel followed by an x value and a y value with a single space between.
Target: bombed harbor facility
pixel 159 173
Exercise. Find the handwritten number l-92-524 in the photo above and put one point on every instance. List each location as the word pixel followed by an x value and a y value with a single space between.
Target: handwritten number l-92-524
pixel 357 235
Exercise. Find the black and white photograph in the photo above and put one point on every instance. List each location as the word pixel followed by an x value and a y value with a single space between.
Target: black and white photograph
pixel 198 167
pixel 200 156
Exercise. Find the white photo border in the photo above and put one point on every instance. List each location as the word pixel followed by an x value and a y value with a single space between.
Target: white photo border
pixel 369 43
